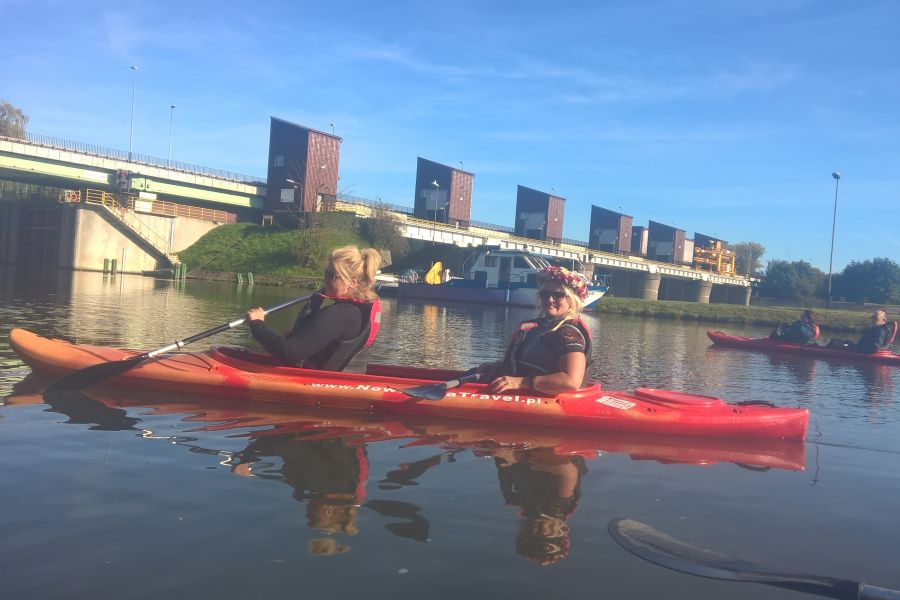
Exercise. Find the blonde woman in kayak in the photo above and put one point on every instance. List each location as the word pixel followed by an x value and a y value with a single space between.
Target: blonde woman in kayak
pixel 337 323
pixel 548 354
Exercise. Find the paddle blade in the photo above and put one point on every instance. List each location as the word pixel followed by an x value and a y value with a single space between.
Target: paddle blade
pixel 654 546
pixel 437 391
pixel 430 391
pixel 88 376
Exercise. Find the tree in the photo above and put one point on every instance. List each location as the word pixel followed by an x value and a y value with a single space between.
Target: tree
pixel 876 280
pixel 747 257
pixel 382 230
pixel 12 120
pixel 796 280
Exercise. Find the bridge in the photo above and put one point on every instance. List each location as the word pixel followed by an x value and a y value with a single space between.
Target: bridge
pixel 72 165
pixel 65 164
pixel 636 276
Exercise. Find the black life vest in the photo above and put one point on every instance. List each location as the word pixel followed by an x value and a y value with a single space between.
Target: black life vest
pixel 339 353
pixel 527 355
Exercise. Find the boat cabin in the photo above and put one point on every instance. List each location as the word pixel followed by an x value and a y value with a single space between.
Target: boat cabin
pixel 496 268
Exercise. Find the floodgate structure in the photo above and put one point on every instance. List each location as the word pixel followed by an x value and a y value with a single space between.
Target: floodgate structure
pixel 91 208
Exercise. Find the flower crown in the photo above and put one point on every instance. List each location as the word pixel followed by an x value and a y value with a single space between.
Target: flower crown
pixel 574 281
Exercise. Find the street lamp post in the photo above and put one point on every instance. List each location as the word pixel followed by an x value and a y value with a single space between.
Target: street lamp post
pixel 133 87
pixel 837 179
pixel 296 187
pixel 618 231
pixel 437 187
pixel 171 120
pixel 332 128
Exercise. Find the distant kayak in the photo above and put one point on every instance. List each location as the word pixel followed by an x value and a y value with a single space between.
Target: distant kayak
pixel 238 374
pixel 720 338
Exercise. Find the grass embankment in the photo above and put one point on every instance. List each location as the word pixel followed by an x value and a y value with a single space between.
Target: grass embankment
pixel 829 320
pixel 250 248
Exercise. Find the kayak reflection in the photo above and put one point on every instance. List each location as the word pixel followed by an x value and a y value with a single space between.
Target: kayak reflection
pixel 324 457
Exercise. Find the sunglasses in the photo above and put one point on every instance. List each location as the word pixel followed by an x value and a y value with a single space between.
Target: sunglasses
pixel 547 294
pixel 331 274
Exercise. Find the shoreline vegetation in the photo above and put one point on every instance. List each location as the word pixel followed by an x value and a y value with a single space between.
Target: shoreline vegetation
pixel 294 257
pixel 829 320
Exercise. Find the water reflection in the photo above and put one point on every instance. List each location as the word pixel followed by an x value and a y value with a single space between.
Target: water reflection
pixel 547 487
pixel 323 457
pixel 328 475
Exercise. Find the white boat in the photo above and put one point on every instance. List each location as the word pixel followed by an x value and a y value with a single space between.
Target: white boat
pixel 495 276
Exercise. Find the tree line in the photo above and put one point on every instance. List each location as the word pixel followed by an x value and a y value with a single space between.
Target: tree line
pixel 876 280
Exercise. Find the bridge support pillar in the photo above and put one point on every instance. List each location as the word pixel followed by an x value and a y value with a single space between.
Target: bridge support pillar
pixel 650 287
pixel 703 290
pixel 747 291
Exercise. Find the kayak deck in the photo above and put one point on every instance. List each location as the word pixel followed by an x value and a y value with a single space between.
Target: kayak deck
pixel 238 374
pixel 720 338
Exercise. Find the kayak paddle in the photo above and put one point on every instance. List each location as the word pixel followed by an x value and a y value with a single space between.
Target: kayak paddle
pixel 88 376
pixel 437 391
pixel 654 546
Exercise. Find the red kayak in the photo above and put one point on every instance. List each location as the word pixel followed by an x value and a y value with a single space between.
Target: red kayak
pixel 720 338
pixel 236 373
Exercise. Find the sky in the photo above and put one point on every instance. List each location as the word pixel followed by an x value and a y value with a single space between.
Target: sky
pixel 724 118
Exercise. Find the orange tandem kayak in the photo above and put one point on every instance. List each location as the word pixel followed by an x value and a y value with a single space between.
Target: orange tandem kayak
pixel 238 374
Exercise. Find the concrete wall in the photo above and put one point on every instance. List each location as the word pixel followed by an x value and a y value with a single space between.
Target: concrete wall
pixel 98 236
pixel 9 226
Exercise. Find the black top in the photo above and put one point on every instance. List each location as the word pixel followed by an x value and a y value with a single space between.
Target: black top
pixel 313 335
pixel 874 339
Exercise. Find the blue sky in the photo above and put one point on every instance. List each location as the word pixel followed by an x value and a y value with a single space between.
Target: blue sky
pixel 726 118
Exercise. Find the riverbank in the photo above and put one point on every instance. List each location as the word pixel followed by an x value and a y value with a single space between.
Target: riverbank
pixel 829 320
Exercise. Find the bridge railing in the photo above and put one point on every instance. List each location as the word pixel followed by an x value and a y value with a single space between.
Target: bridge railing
pixel 103 152
pixel 375 204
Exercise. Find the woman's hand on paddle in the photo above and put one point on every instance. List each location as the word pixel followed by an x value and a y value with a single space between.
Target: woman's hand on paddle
pixel 506 382
pixel 256 314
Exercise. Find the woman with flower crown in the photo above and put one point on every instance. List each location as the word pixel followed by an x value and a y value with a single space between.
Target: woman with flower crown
pixel 548 354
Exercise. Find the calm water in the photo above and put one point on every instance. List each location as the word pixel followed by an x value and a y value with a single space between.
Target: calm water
pixel 133 496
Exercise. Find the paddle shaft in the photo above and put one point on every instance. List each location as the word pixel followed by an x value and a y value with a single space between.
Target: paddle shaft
pixel 178 344
pixel 93 374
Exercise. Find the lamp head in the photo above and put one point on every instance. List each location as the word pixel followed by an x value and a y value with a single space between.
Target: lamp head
pixel 435 183
pixel 836 174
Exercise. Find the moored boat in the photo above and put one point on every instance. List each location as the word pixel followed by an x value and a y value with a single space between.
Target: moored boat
pixel 238 374
pixel 495 276
pixel 720 338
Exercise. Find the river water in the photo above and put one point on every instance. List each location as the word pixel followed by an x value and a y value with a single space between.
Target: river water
pixel 128 495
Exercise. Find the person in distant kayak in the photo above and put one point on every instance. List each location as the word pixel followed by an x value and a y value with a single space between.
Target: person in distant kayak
pixel 548 354
pixel 877 338
pixel 802 331
pixel 337 323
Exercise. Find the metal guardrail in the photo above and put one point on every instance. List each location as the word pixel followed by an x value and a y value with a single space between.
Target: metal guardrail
pixel 47 141
pixel 495 227
pixel 171 209
pixel 375 204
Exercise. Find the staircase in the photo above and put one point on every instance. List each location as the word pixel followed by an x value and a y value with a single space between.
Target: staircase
pixel 132 223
